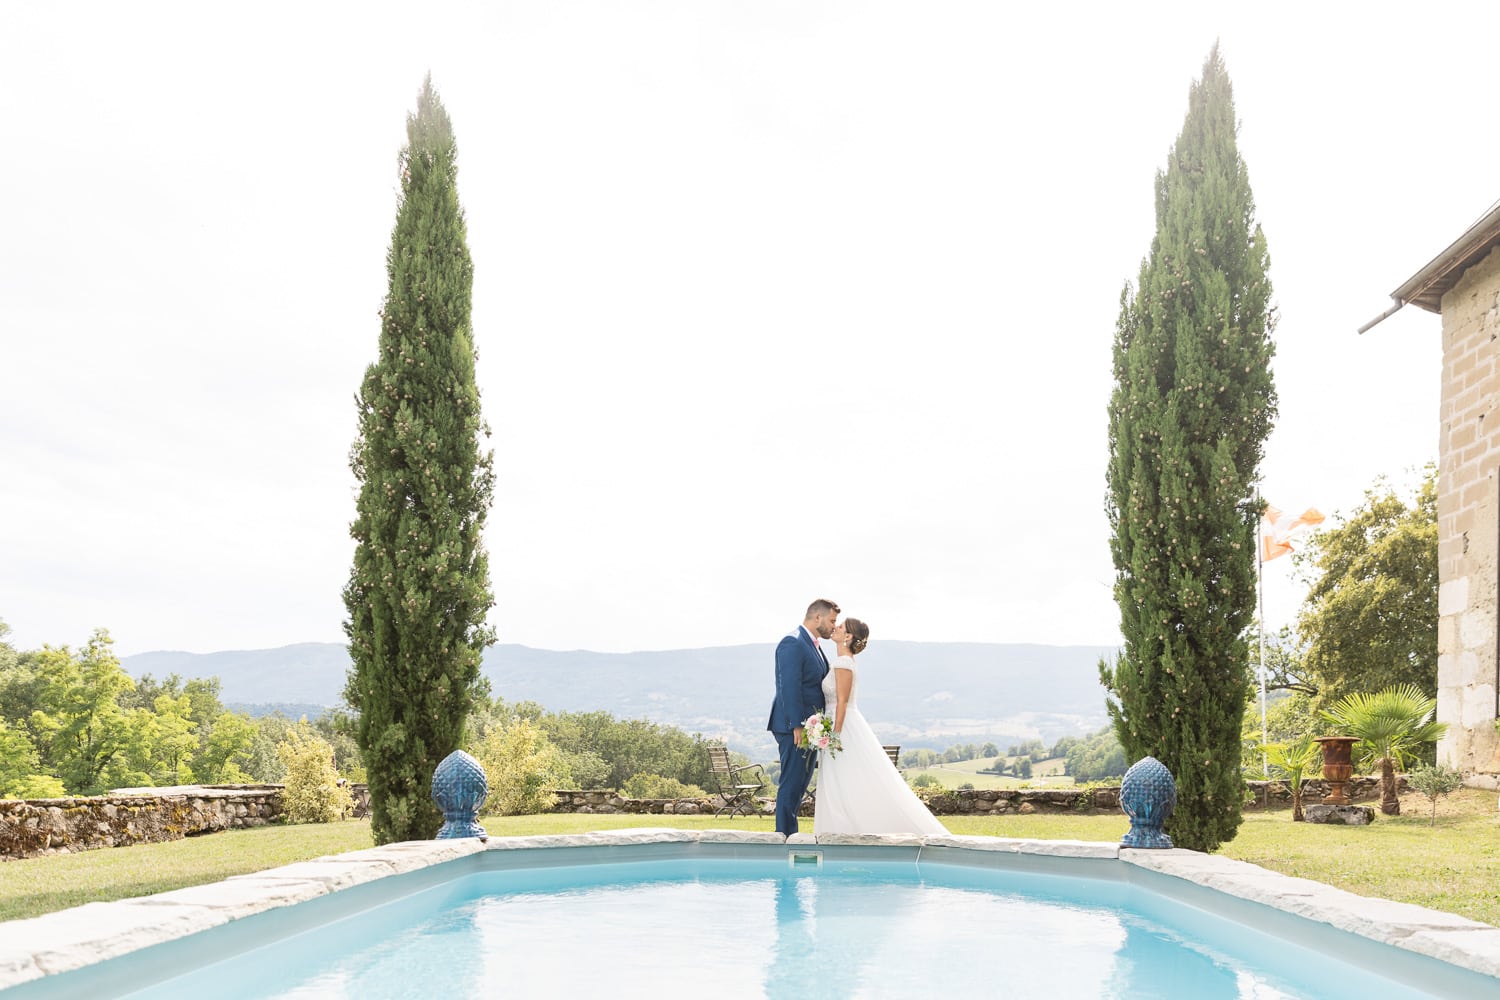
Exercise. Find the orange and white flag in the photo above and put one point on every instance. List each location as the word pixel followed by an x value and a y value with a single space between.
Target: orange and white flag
pixel 1276 532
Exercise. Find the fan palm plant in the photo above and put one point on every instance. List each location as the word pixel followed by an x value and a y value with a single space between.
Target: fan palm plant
pixel 1392 726
pixel 1291 760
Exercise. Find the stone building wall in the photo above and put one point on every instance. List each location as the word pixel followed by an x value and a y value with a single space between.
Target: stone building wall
pixel 1469 523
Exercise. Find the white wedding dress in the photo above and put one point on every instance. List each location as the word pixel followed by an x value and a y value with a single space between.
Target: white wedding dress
pixel 858 790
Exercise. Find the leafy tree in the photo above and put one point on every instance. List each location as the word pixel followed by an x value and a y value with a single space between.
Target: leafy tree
pixel 22 686
pixel 163 741
pixel 1393 726
pixel 1023 767
pixel 600 750
pixel 19 685
pixel 81 729
pixel 1291 760
pixel 202 694
pixel 522 766
pixel 419 592
pixel 338 728
pixel 18 760
pixel 37 786
pixel 1371 614
pixel 629 746
pixel 1435 781
pixel 926 781
pixel 1192 406
pixel 589 770
pixel 261 759
pixel 1286 664
pixel 919 758
pixel 1095 757
pixel 989 750
pixel 1288 718
pixel 1064 744
pixel 225 758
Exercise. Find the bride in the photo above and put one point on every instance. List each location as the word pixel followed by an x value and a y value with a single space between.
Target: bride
pixel 858 789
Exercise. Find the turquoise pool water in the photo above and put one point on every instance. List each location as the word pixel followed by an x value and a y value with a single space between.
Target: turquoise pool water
pixel 753 928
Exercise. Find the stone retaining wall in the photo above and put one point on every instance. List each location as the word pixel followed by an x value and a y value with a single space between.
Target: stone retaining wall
pixel 942 803
pixel 36 827
pixel 148 815
pixel 964 802
pixel 1361 789
pixel 126 816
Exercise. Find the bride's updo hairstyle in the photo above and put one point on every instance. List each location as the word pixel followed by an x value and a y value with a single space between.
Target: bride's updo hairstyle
pixel 859 635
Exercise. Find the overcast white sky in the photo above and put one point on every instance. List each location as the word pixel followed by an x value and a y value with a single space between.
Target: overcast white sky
pixel 773 300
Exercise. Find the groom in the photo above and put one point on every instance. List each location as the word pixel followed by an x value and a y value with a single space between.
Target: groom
pixel 800 667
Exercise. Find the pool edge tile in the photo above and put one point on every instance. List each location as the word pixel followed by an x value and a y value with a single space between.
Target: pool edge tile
pixel 84 935
pixel 869 839
pixel 740 837
pixel 1437 934
pixel 17 966
pixel 600 838
pixel 238 897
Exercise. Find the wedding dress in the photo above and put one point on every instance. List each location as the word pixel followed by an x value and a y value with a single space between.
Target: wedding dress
pixel 858 790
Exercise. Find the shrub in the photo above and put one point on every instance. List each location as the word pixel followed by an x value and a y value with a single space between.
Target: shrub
pixel 521 765
pixel 1435 781
pixel 654 786
pixel 311 792
pixel 34 786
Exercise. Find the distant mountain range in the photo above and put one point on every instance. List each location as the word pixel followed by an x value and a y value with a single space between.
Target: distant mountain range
pixel 929 694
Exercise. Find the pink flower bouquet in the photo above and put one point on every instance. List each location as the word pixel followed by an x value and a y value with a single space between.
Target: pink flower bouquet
pixel 818 734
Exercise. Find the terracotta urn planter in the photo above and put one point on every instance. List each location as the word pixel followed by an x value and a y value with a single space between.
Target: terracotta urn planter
pixel 1338 767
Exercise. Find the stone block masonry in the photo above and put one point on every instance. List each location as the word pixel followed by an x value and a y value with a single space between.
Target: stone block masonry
pixel 958 802
pixel 38 827
pixel 1468 517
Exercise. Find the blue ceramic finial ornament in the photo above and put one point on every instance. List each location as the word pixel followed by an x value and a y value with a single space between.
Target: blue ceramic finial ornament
pixel 459 788
pixel 1147 795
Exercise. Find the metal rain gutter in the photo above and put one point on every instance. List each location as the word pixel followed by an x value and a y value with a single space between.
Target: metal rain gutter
pixel 1459 253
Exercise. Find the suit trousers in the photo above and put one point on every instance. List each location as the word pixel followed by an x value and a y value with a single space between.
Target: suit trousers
pixel 796 774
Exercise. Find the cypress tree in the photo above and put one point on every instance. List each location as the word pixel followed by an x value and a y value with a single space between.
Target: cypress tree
pixel 419 590
pixel 1192 404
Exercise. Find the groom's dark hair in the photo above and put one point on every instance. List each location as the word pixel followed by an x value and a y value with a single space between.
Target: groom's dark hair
pixel 821 607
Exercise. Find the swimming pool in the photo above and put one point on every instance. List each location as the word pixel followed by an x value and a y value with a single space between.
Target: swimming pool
pixel 720 913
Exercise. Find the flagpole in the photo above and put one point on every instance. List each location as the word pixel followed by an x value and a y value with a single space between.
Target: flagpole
pixel 1260 580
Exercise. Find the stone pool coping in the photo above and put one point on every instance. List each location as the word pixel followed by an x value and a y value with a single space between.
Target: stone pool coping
pixel 71 939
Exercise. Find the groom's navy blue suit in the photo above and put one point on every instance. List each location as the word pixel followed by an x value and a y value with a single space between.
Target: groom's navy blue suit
pixel 800 668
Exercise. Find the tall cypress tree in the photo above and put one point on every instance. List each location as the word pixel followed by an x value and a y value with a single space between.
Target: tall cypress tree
pixel 1192 405
pixel 419 590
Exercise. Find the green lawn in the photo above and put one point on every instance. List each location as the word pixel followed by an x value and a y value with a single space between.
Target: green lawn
pixel 40 885
pixel 1052 765
pixel 963 772
pixel 1454 866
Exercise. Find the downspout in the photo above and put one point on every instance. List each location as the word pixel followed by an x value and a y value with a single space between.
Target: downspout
pixel 1383 316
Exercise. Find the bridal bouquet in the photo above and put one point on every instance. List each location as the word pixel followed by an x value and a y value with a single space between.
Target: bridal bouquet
pixel 818 734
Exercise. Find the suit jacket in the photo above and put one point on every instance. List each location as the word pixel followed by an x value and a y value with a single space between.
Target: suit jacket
pixel 800 669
